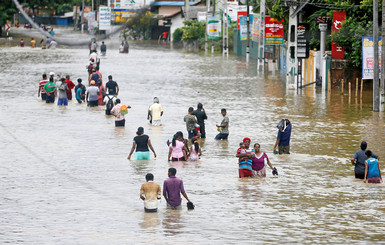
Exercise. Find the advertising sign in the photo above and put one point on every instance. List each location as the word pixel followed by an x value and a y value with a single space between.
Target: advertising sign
pixel 129 4
pixel 256 27
pixel 303 39
pixel 368 56
pixel 274 31
pixel 243 26
pixel 338 52
pixel 213 27
pixel 91 23
pixel 104 18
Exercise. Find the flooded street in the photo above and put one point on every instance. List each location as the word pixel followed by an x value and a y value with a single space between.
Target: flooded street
pixel 65 177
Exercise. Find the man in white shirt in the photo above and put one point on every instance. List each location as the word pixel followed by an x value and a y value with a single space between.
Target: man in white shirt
pixel 155 113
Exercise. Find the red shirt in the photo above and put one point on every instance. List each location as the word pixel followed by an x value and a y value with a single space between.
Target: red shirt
pixel 70 84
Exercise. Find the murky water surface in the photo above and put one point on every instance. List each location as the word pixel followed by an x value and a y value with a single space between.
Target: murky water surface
pixel 65 178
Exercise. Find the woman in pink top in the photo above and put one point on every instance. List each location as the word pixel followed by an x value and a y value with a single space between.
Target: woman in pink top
pixel 177 149
pixel 260 159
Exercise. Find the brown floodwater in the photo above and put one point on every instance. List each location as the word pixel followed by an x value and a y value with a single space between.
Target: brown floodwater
pixel 65 177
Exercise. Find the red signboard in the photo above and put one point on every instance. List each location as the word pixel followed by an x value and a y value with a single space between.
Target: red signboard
pixel 240 13
pixel 273 28
pixel 274 31
pixel 338 52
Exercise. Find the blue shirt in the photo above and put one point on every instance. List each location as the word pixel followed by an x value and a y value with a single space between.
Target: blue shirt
pixel 79 93
pixel 360 161
pixel 284 137
pixel 372 168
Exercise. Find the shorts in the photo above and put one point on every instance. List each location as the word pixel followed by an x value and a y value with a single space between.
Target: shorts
pixel 179 207
pixel 92 103
pixel 156 122
pixel 374 180
pixel 175 159
pixel 192 133
pixel 79 101
pixel 359 175
pixel 43 96
pixel 284 149
pixel 244 173
pixel 120 123
pixel 142 155
pixel 62 102
pixel 154 210
pixel 221 136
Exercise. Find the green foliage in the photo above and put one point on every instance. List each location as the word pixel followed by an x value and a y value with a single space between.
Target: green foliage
pixel 7 9
pixel 140 28
pixel 177 35
pixel 193 30
pixel 350 37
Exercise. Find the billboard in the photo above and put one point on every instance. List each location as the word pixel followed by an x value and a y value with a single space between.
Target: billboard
pixel 368 56
pixel 104 18
pixel 338 52
pixel 214 27
pixel 274 31
pixel 303 39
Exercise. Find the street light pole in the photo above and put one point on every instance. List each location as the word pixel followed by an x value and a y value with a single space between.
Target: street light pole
pixel 248 32
pixel 382 83
pixel 376 97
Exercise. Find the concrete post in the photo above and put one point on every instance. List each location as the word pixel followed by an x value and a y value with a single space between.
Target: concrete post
pixel 323 28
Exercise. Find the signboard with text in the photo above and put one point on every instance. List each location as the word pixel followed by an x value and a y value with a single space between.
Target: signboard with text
pixel 338 52
pixel 368 56
pixel 303 39
pixel 213 27
pixel 274 31
pixel 104 18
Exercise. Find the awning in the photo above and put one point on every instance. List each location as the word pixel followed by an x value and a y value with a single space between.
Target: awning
pixel 169 11
pixel 171 3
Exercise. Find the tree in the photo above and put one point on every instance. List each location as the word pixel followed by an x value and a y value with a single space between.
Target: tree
pixel 7 9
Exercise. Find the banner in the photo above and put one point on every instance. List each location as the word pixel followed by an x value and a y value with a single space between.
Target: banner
pixel 104 18
pixel 213 27
pixel 368 56
pixel 129 4
pixel 338 52
pixel 255 35
pixel 243 27
pixel 91 23
pixel 303 39
pixel 274 31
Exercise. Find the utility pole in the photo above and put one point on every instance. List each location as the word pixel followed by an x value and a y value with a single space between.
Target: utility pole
pixel 186 9
pixel 323 27
pixel 382 83
pixel 376 97
pixel 207 24
pixel 82 18
pixel 225 32
pixel 261 41
pixel 212 40
pixel 248 32
pixel 291 54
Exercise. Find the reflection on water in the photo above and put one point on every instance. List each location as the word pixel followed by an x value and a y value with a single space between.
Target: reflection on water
pixel 65 174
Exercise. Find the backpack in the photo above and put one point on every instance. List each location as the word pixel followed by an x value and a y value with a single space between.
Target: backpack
pixel 282 125
pixel 90 68
pixel 109 105
pixel 123 110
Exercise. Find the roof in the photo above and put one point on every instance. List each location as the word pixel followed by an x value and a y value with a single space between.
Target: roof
pixel 171 3
pixel 169 11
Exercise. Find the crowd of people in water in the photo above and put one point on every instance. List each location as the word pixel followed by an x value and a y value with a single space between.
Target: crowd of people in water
pixel 251 160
